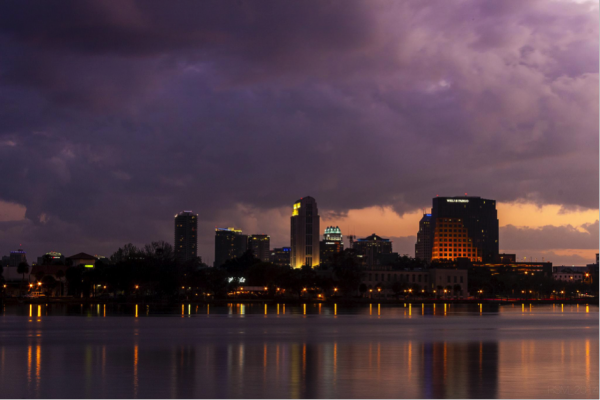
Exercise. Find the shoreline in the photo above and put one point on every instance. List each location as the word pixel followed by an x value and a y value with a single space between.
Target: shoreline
pixel 338 301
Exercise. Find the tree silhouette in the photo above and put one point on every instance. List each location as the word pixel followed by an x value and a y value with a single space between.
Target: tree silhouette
pixel 22 268
pixel 60 274
pixel 362 289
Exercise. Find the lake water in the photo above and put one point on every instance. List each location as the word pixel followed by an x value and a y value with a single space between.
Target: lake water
pixel 301 351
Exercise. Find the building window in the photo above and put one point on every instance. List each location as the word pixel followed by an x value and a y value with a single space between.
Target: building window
pixel 461 279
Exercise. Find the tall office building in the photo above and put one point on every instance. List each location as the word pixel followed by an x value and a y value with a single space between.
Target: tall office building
pixel 464 227
pixel 229 243
pixel 332 243
pixel 17 257
pixel 305 233
pixel 371 248
pixel 260 246
pixel 186 236
pixel 424 239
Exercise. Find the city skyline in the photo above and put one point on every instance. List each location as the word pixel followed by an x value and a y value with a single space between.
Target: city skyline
pixel 402 244
pixel 110 128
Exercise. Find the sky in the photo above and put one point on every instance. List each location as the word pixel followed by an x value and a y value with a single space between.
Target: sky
pixel 116 115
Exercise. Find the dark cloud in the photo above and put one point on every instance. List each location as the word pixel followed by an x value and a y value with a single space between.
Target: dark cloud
pixel 120 114
pixel 550 237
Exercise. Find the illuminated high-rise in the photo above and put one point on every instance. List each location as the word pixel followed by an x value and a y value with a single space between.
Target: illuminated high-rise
pixel 332 243
pixel 464 227
pixel 305 233
pixel 186 236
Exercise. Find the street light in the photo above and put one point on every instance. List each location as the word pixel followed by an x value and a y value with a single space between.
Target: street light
pixel 335 289
pixel 137 286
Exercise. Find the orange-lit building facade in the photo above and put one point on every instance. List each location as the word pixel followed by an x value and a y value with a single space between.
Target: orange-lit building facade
pixel 451 241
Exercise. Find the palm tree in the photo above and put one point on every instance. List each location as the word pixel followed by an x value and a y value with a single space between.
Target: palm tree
pixel 22 268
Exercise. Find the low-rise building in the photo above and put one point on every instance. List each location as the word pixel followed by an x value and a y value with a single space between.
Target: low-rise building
pixel 507 258
pixel 567 274
pixel 544 268
pixel 453 281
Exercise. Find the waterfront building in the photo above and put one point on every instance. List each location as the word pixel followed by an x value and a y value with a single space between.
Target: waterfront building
pixel 186 236
pixel 424 239
pixel 305 234
pixel 229 243
pixel 281 256
pixel 464 227
pixel 518 268
pixel 260 246
pixel 332 243
pixel 370 249
pixel 568 274
pixel 440 281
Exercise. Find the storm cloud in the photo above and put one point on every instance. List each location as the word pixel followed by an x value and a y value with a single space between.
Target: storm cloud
pixel 116 115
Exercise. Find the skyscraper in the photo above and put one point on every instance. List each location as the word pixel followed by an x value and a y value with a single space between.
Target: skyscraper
pixel 424 239
pixel 229 243
pixel 332 243
pixel 464 227
pixel 260 246
pixel 305 233
pixel 186 236
pixel 17 257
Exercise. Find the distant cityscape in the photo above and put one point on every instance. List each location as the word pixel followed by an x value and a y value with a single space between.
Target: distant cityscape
pixel 459 235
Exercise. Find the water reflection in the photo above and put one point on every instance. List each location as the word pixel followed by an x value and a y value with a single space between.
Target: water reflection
pixel 301 355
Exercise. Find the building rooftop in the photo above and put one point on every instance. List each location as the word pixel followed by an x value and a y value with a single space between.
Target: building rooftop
pixel 82 256
pixel 373 237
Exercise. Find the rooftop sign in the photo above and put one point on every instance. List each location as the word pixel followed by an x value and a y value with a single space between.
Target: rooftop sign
pixel 457 200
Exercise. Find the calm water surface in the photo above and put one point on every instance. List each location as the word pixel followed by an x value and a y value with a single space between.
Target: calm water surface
pixel 302 351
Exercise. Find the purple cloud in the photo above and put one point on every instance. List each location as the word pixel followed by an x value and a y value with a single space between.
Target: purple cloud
pixel 122 114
